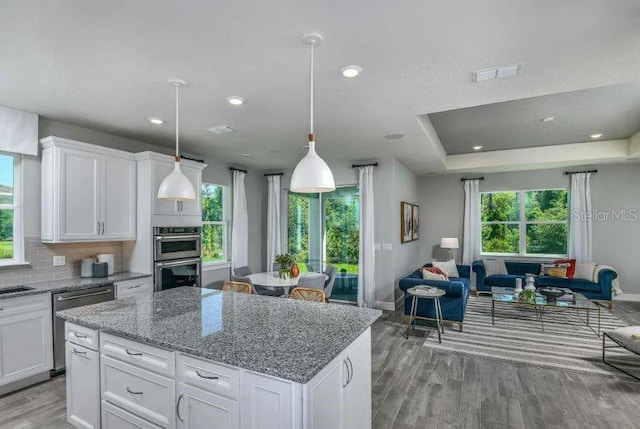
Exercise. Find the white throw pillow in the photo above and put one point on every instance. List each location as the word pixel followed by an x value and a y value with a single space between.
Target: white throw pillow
pixel 494 266
pixel 449 267
pixel 585 271
pixel 428 275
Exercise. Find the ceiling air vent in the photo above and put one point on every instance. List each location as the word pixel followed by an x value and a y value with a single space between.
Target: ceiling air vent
pixel 221 129
pixel 497 73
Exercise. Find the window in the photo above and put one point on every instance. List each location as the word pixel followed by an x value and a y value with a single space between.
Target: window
pixel 525 222
pixel 214 225
pixel 10 231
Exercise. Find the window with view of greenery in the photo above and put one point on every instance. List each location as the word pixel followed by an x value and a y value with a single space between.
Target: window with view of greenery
pixel 214 226
pixel 8 206
pixel 525 222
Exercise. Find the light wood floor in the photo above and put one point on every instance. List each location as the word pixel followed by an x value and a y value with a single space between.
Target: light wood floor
pixel 417 387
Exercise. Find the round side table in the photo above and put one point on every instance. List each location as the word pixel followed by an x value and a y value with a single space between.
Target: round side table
pixel 416 295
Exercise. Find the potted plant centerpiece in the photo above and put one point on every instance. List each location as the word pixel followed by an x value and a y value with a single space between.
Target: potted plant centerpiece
pixel 284 261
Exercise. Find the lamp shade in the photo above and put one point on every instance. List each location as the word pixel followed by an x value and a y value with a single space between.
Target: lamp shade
pixel 312 174
pixel 449 243
pixel 176 186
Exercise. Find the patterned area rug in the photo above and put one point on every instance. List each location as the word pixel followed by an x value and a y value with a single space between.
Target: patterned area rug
pixel 566 343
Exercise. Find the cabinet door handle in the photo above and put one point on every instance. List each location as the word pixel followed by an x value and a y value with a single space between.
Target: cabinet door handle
pixel 178 407
pixel 351 369
pixel 134 287
pixel 98 224
pixel 131 353
pixel 208 377
pixel 132 392
pixel 344 362
pixel 80 353
pixel 80 336
pixel 102 228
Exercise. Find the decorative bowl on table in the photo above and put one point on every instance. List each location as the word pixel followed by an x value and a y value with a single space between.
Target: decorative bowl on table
pixel 551 293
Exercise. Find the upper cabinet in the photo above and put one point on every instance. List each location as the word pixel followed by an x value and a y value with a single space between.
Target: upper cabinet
pixel 88 192
pixel 152 170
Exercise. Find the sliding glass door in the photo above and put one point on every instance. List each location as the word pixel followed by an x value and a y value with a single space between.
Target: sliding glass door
pixel 323 229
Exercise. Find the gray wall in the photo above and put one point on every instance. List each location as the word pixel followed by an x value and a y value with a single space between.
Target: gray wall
pixel 614 187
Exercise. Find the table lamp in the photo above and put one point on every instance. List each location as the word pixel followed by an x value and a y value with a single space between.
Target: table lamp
pixel 449 243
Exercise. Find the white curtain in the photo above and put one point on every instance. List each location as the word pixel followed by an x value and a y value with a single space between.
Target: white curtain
pixel 273 220
pixel 239 234
pixel 580 223
pixel 367 262
pixel 471 229
pixel 18 131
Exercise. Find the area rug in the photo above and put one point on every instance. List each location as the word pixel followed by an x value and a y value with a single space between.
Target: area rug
pixel 566 343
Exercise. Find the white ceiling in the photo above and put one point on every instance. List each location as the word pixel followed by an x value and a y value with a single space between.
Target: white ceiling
pixel 105 65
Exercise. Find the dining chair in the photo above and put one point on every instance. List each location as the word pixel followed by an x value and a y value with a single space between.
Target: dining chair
pixel 315 282
pixel 242 271
pixel 256 289
pixel 239 287
pixel 331 272
pixel 306 294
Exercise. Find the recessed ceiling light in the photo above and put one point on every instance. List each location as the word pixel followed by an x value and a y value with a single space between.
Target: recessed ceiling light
pixel 547 119
pixel 155 121
pixel 274 151
pixel 478 147
pixel 394 136
pixel 246 155
pixel 596 135
pixel 235 100
pixel 351 71
pixel 220 129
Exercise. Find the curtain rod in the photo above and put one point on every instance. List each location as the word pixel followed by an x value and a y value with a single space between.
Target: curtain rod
pixel 237 169
pixel 273 174
pixel 201 161
pixel 375 164
pixel 576 172
pixel 472 178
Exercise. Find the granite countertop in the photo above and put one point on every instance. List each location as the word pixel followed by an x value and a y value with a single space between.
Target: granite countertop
pixel 73 283
pixel 281 337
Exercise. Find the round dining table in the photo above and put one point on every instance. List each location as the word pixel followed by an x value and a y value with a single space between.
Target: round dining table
pixel 272 280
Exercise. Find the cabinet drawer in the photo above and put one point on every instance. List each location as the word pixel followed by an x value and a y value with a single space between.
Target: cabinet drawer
pixel 24 304
pixel 134 288
pixel 209 376
pixel 141 355
pixel 116 418
pixel 139 391
pixel 81 336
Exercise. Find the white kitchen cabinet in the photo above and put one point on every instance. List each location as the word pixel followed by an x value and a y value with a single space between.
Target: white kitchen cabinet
pixel 116 418
pixel 88 192
pixel 26 342
pixel 267 402
pixel 83 396
pixel 356 411
pixel 197 408
pixel 136 287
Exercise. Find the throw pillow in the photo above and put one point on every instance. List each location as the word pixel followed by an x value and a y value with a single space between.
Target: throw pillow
pixel 448 267
pixel 554 270
pixel 435 270
pixel 494 266
pixel 585 271
pixel 428 275
pixel 571 269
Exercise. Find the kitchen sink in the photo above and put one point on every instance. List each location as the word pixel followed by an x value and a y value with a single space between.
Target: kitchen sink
pixel 14 289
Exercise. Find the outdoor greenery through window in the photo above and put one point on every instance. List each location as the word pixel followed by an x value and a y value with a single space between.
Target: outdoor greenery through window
pixel 7 209
pixel 214 227
pixel 525 222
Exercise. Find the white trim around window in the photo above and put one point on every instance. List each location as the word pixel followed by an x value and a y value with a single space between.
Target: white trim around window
pixel 225 223
pixel 16 206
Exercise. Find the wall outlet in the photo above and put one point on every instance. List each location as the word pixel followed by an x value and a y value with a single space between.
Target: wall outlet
pixel 377 246
pixel 387 246
pixel 59 261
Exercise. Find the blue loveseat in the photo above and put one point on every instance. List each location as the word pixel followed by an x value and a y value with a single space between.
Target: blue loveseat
pixel 453 303
pixel 600 291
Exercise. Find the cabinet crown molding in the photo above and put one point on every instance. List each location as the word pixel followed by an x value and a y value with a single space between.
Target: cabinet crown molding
pixel 54 141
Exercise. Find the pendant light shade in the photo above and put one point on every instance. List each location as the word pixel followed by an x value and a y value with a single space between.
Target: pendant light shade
pixel 312 174
pixel 176 186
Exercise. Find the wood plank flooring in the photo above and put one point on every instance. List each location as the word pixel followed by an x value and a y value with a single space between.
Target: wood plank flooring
pixel 417 387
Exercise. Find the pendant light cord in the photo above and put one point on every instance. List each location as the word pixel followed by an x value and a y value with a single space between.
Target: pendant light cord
pixel 177 122
pixel 311 87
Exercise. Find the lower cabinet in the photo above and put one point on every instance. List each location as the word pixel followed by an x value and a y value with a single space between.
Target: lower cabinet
pixel 268 402
pixel 83 398
pixel 199 409
pixel 116 418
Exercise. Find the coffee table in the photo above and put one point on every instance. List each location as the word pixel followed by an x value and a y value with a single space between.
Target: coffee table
pixel 504 295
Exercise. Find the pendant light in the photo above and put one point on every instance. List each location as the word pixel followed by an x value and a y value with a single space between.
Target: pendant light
pixel 312 174
pixel 176 186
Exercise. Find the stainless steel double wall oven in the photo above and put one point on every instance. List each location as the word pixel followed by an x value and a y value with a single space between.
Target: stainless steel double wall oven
pixel 177 256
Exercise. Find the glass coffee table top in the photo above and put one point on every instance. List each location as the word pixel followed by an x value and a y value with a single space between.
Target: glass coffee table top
pixel 506 295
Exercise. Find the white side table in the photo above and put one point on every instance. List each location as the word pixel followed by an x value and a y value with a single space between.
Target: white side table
pixel 417 294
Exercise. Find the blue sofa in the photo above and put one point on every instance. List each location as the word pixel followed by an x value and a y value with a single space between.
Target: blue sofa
pixel 600 291
pixel 453 303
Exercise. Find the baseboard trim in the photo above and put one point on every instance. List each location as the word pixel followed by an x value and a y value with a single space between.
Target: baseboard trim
pixel 25 382
pixel 627 297
pixel 389 306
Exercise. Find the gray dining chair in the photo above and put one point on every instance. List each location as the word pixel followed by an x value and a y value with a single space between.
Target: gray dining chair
pixel 241 275
pixel 315 282
pixel 331 272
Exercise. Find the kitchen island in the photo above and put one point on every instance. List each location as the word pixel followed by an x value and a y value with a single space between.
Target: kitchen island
pixel 199 358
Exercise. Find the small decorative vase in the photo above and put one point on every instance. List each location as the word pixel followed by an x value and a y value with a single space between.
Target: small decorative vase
pixel 530 282
pixel 284 274
pixel 295 271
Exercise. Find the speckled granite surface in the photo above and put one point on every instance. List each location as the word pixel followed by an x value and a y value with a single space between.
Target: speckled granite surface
pixel 74 283
pixel 281 337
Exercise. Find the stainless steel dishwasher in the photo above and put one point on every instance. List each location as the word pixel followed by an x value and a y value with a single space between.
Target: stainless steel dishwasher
pixel 73 299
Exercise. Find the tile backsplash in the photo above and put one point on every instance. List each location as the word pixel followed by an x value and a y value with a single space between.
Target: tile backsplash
pixel 40 257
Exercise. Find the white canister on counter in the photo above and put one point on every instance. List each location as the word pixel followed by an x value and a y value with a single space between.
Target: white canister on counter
pixel 108 258
pixel 86 267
